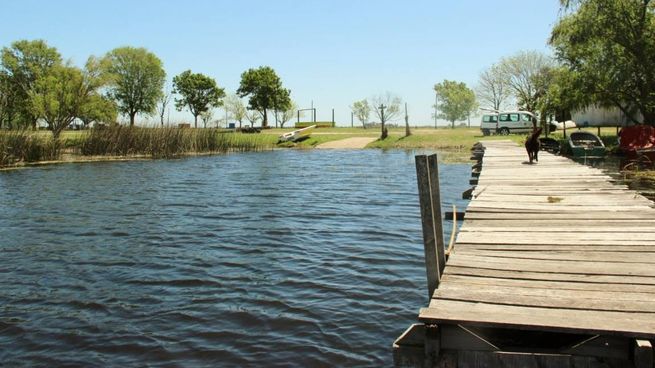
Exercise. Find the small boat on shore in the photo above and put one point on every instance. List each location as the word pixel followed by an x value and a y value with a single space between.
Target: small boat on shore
pixel 585 144
pixel 297 135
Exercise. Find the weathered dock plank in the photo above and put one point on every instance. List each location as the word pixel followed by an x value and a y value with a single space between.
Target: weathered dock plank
pixel 552 248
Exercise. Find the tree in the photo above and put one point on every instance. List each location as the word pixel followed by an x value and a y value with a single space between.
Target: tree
pixel 264 89
pixel 362 111
pixel 386 107
pixel 163 102
pixel 137 78
pixel 283 107
pixel 492 88
pixel 98 108
pixel 234 105
pixel 610 44
pixel 206 117
pixel 21 65
pixel 199 93
pixel 287 114
pixel 519 72
pixel 253 117
pixel 58 95
pixel 456 100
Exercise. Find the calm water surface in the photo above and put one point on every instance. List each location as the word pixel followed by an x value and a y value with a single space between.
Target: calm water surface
pixel 285 258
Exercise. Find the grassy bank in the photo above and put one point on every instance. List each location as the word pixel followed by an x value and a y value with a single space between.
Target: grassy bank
pixel 23 146
pixel 166 142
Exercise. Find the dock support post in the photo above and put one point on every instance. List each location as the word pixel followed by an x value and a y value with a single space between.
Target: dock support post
pixel 427 174
pixel 432 345
pixel 643 354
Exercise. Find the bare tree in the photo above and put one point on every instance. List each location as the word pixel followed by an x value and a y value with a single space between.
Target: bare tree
pixel 520 72
pixel 235 106
pixel 287 114
pixel 163 103
pixel 492 88
pixel 253 117
pixel 206 117
pixel 386 107
pixel 362 111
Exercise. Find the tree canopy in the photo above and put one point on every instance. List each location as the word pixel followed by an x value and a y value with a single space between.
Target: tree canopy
pixel 264 90
pixel 199 93
pixel 492 89
pixel 21 65
pixel 137 77
pixel 610 45
pixel 519 72
pixel 456 100
pixel 362 111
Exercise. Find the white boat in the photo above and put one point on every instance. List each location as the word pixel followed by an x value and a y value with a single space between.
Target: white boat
pixel 297 135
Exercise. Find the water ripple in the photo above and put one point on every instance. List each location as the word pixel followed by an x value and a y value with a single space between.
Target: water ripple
pixel 277 259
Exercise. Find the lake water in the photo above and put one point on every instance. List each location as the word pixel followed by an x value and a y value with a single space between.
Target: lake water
pixel 284 258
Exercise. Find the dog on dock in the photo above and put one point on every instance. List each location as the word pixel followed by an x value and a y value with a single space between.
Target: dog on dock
pixel 532 145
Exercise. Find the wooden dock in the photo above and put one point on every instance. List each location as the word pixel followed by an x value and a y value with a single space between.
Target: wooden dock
pixel 554 265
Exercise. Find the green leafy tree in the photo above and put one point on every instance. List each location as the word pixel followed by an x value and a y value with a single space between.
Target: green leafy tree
pixel 386 107
pixel 610 44
pixel 362 111
pixel 560 91
pixel 58 95
pixel 456 100
pixel 137 77
pixel 283 107
pixel 519 73
pixel 98 108
pixel 263 88
pixel 21 65
pixel 199 93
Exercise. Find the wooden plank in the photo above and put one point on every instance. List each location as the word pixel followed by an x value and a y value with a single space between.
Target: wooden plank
pixel 640 325
pixel 531 298
pixel 644 270
pixel 581 255
pixel 548 276
pixel 486 281
pixel 435 191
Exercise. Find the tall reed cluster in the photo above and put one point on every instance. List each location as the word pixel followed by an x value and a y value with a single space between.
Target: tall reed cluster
pixel 21 146
pixel 165 142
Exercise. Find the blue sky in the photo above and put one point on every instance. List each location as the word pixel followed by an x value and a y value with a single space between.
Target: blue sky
pixel 328 52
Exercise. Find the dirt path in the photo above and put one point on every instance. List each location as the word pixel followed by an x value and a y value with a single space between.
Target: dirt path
pixel 354 142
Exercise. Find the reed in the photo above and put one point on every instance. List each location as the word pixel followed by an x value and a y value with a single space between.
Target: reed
pixel 21 146
pixel 166 142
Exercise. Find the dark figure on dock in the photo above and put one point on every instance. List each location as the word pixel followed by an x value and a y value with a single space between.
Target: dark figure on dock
pixel 532 145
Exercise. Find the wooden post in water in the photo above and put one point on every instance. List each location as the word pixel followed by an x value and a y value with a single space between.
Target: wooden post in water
pixel 427 175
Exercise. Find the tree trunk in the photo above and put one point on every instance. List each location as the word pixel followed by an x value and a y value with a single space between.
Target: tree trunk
pixel 132 116
pixel 195 121
pixel 265 121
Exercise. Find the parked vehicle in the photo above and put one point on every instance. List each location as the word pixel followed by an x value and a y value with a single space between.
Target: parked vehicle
pixel 489 124
pixel 506 122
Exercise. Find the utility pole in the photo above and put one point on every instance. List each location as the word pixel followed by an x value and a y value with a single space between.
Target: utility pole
pixel 352 119
pixel 407 132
